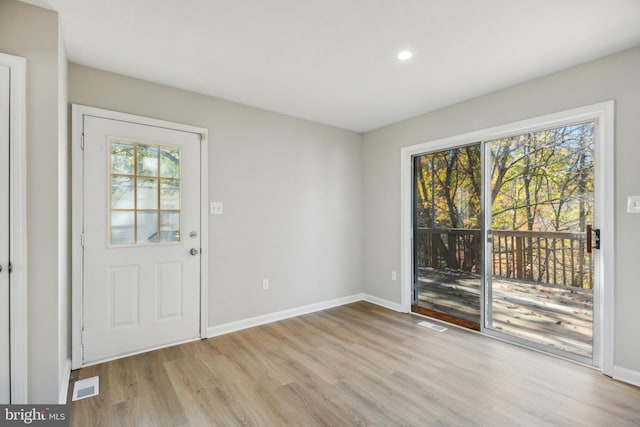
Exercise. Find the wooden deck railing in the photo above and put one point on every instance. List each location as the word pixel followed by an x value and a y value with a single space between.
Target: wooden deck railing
pixel 558 258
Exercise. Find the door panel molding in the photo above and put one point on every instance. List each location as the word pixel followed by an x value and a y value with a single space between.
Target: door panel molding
pixel 18 227
pixel 603 355
pixel 79 112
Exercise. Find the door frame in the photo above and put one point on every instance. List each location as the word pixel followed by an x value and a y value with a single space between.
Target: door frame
pixel 18 226
pixel 78 112
pixel 603 311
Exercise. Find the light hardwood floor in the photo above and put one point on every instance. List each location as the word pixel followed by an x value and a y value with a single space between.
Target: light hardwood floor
pixel 357 364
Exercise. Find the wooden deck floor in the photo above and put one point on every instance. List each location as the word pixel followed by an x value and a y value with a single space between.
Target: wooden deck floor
pixel 355 365
pixel 559 316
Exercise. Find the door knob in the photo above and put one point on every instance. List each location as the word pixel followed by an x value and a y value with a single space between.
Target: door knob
pixel 193 251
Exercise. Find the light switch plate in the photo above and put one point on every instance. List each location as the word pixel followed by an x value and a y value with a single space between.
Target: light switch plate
pixel 633 204
pixel 216 208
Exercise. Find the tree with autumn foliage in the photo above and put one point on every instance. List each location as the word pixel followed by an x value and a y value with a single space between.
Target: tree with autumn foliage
pixel 541 181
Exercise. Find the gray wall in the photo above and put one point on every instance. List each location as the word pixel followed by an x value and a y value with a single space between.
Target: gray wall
pixel 291 191
pixel 32 33
pixel 615 77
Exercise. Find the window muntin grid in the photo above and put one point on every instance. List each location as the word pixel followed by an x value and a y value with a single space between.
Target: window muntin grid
pixel 145 193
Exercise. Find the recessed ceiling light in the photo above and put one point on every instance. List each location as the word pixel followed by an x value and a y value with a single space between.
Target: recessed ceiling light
pixel 404 55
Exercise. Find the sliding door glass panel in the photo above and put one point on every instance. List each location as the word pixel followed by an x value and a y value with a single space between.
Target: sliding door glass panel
pixel 447 235
pixel 542 205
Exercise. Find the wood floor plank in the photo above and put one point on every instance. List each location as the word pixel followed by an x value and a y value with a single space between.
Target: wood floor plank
pixel 253 390
pixel 202 405
pixel 157 392
pixel 317 410
pixel 354 365
pixel 243 352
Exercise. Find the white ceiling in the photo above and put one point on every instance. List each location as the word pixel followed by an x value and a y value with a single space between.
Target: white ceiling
pixel 334 61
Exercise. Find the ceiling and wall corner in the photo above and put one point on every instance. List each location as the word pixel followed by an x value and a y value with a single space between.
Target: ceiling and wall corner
pixel 335 61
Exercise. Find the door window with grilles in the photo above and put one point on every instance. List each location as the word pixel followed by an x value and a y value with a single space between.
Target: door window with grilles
pixel 145 193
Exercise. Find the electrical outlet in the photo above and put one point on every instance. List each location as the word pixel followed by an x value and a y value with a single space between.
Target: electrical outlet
pixel 633 204
pixel 394 276
pixel 265 284
pixel 216 208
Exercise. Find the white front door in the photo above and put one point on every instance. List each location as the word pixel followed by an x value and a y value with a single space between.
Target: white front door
pixel 5 368
pixel 141 203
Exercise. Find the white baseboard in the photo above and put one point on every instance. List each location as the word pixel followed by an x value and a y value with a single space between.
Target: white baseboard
pixel 64 382
pixel 382 302
pixel 625 375
pixel 213 331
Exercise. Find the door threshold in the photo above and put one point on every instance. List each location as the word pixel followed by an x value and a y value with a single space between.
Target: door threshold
pixel 446 317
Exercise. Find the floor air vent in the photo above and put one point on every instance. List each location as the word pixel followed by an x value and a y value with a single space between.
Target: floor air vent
pixel 432 326
pixel 88 387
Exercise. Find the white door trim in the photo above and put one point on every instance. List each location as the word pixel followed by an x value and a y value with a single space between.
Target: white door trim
pixel 18 229
pixel 78 112
pixel 603 314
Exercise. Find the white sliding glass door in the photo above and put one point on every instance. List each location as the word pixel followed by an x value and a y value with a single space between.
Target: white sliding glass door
pixel 505 237
pixel 541 210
